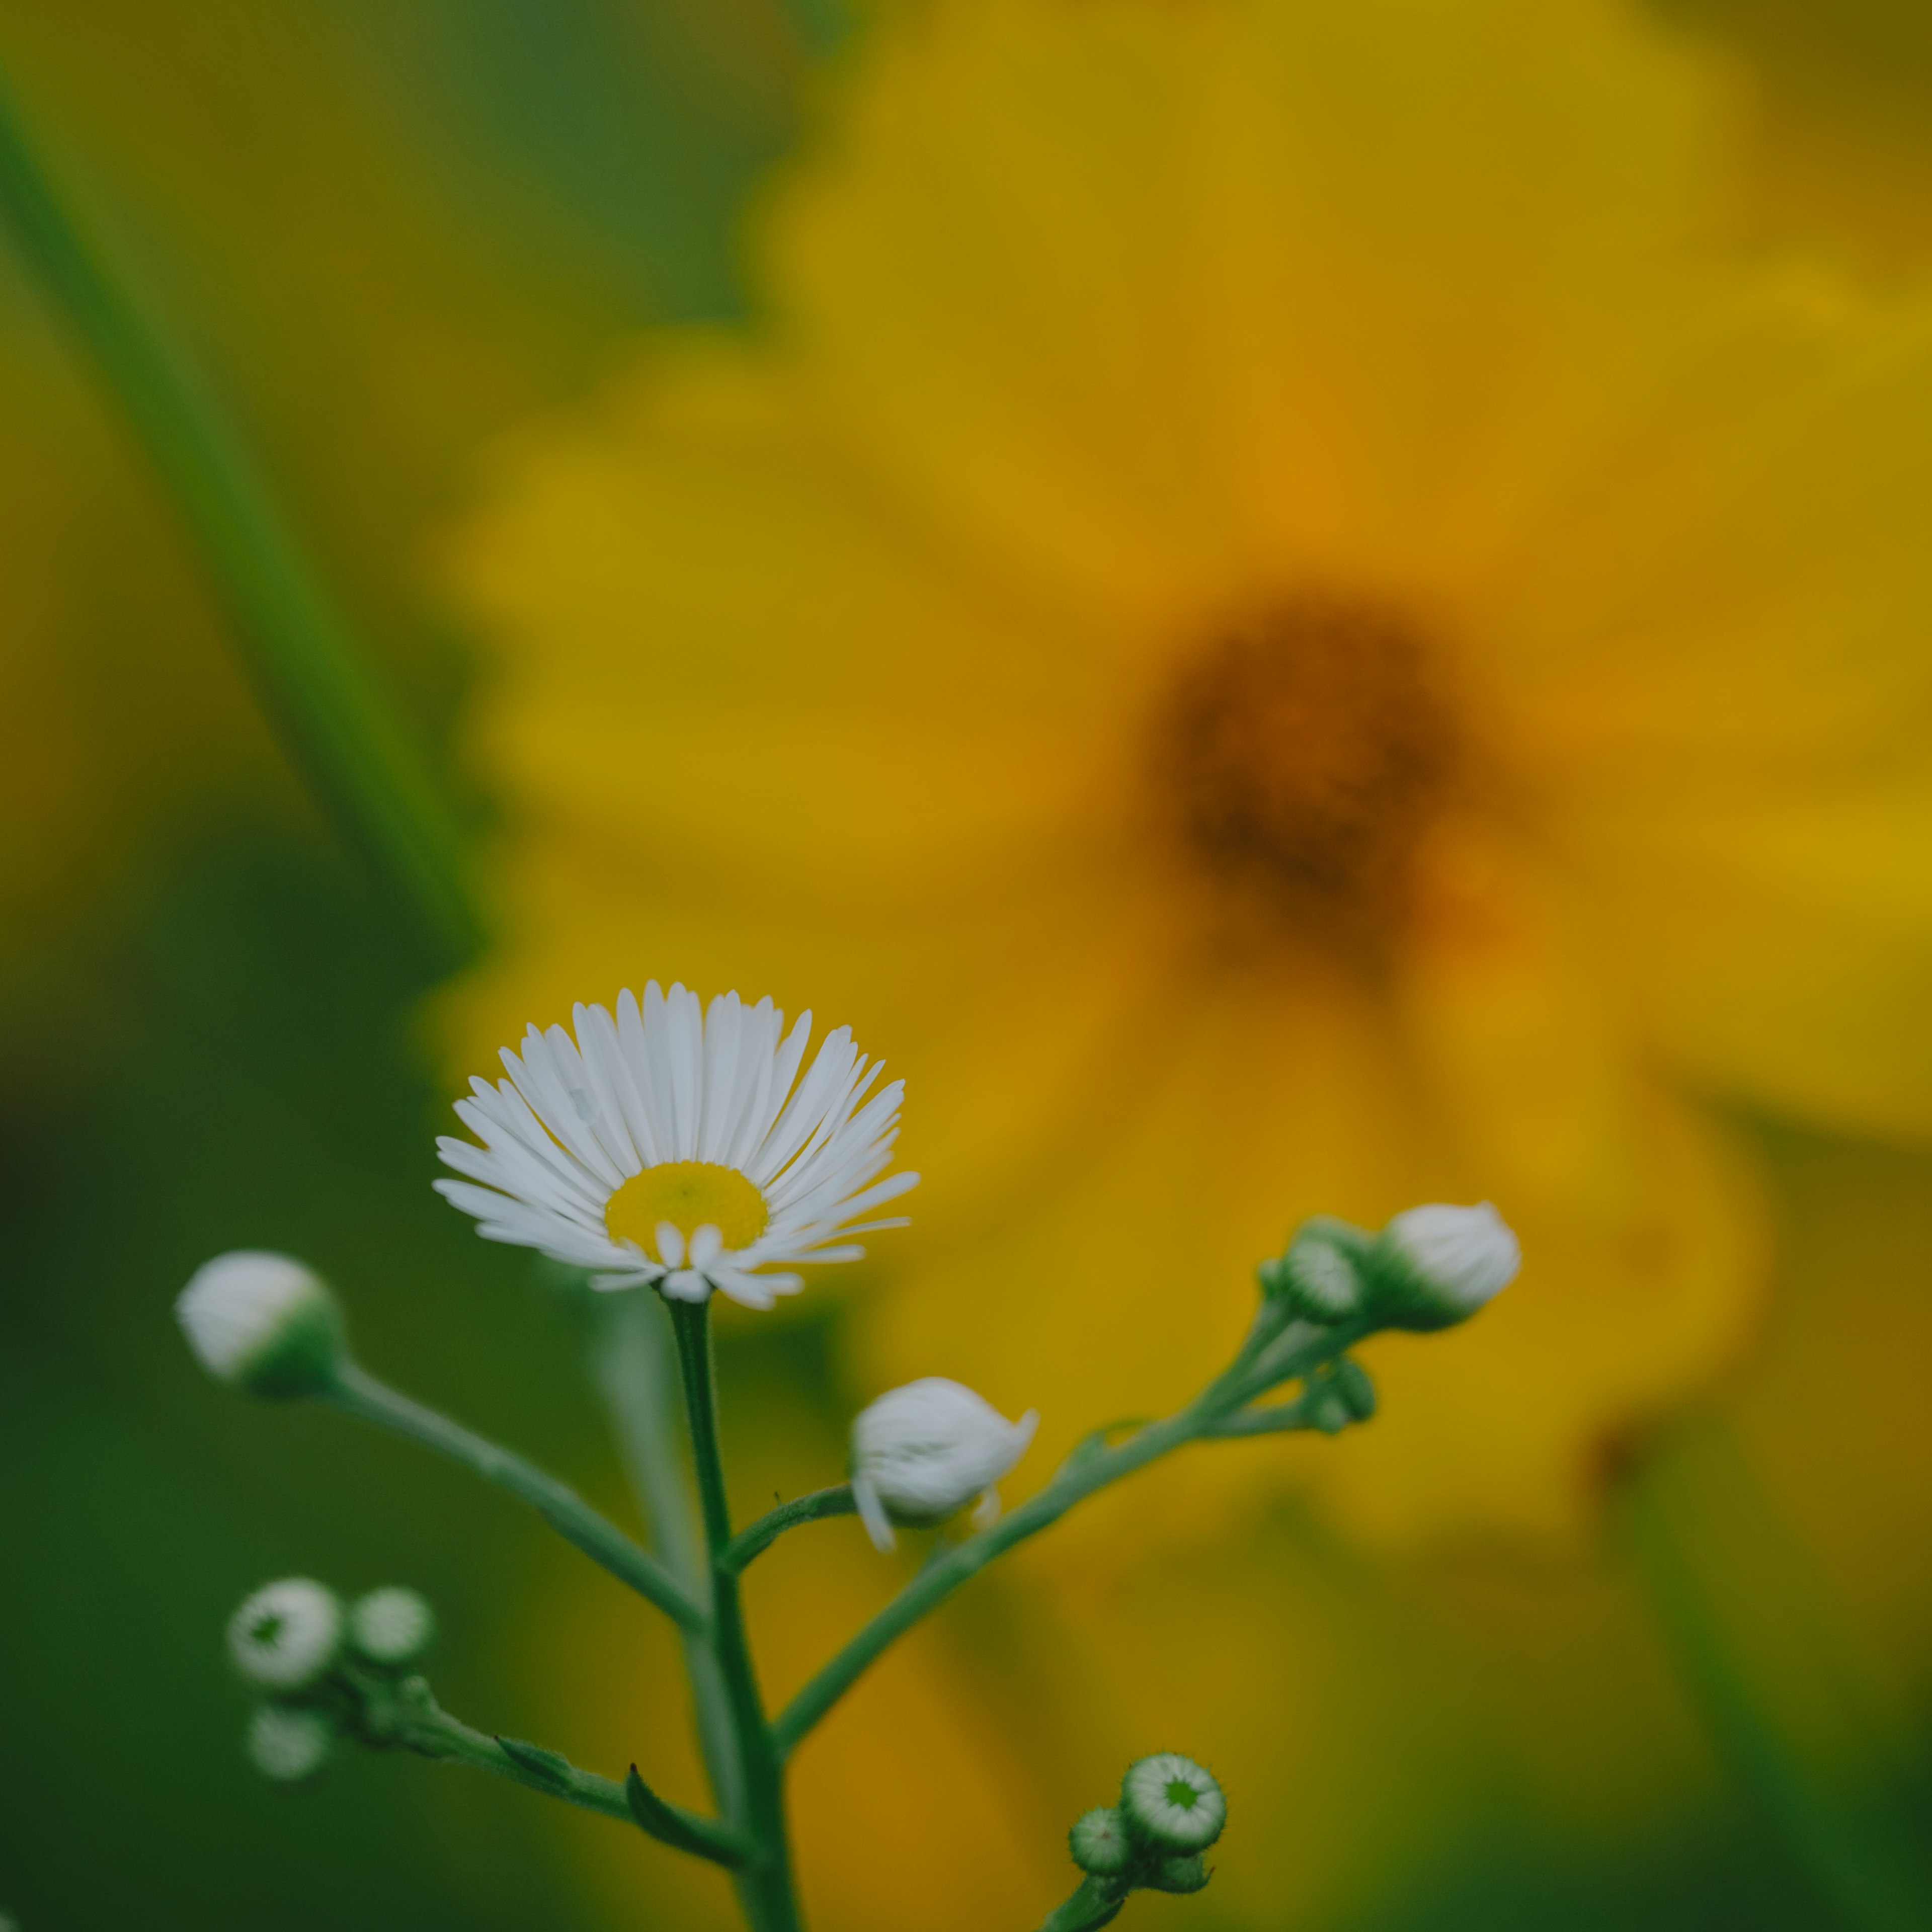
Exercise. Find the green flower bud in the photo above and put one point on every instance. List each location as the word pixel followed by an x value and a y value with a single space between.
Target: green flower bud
pixel 1433 1266
pixel 264 1323
pixel 1340 1394
pixel 287 1635
pixel 1100 1842
pixel 391 1626
pixel 289 1742
pixel 1171 1803
pixel 1319 1278
pixel 1179 1874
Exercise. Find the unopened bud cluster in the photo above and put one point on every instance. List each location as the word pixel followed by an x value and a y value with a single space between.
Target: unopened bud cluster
pixel 1153 1839
pixel 325 1670
pixel 1430 1267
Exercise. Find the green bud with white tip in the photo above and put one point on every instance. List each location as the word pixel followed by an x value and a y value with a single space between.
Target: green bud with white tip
pixel 1319 1278
pixel 1100 1842
pixel 290 1743
pixel 1171 1804
pixel 264 1323
pixel 390 1627
pixel 1435 1266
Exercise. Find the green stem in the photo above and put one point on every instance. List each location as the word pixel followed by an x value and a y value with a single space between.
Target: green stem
pixel 1078 1478
pixel 296 649
pixel 432 1733
pixel 359 1394
pixel 634 1358
pixel 764 1889
pixel 752 1542
pixel 1094 1904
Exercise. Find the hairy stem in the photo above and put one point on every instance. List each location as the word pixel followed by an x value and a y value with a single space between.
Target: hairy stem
pixel 751 1542
pixel 634 1358
pixel 359 1394
pixel 765 1888
pixel 1093 1903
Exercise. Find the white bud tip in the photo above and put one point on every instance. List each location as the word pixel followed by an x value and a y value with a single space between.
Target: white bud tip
pixel 287 1635
pixel 289 1743
pixel 237 1308
pixel 1467 1254
pixel 1172 1803
pixel 391 1626
pixel 921 1452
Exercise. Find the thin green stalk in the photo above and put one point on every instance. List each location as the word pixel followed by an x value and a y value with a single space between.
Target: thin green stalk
pixel 764 1889
pixel 295 647
pixel 359 1394
pixel 432 1733
pixel 751 1542
pixel 1078 1478
pixel 633 1359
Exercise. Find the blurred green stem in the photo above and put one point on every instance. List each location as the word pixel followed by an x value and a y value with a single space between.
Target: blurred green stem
pixel 633 1357
pixel 340 729
pixel 751 1542
pixel 1754 1643
pixel 361 1395
pixel 765 1887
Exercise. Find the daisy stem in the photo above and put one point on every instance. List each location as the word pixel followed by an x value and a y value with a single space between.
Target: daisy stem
pixel 294 646
pixel 359 1394
pixel 633 1358
pixel 765 1888
pixel 1207 1415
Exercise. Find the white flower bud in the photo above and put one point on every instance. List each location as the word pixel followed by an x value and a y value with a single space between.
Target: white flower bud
pixel 1172 1803
pixel 287 1635
pixel 264 1323
pixel 1435 1266
pixel 287 1743
pixel 1100 1842
pixel 391 1626
pixel 921 1452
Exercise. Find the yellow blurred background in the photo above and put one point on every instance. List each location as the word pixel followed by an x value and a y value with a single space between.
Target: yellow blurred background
pixel 752 448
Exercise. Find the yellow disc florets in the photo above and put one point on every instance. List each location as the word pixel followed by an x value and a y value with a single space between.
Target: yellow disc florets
pixel 688 1194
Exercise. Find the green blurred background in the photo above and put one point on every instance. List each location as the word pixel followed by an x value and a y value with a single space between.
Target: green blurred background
pixel 389 233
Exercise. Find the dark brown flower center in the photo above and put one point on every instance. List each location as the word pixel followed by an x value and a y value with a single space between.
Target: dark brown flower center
pixel 1304 751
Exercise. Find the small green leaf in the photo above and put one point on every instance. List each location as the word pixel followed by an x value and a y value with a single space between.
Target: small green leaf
pixel 685 1831
pixel 548 1766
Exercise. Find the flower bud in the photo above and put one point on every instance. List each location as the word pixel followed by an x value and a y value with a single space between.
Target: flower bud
pixel 1433 1266
pixel 289 1743
pixel 1188 1874
pixel 1340 1394
pixel 1171 1803
pixel 1100 1843
pixel 921 1452
pixel 1319 1278
pixel 287 1635
pixel 391 1626
pixel 264 1323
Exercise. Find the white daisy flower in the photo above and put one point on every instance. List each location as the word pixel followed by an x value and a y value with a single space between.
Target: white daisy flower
pixel 680 1147
pixel 1173 1803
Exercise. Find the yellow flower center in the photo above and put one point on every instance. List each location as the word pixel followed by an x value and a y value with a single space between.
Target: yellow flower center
pixel 1306 751
pixel 688 1194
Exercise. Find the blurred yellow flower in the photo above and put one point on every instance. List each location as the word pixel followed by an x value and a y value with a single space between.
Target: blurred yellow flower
pixel 1278 616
